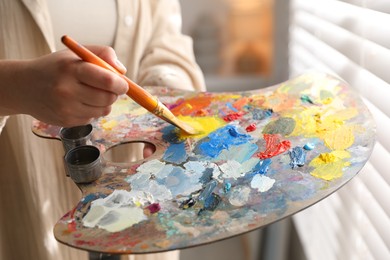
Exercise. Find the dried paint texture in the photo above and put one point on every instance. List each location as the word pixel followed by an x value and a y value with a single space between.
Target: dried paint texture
pixel 239 196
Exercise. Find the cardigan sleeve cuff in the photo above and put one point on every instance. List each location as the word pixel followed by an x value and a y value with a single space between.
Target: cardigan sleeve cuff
pixel 3 120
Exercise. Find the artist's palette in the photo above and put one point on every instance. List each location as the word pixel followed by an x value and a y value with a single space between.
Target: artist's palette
pixel 264 155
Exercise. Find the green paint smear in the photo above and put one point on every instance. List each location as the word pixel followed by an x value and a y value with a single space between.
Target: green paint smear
pixel 283 126
pixel 306 99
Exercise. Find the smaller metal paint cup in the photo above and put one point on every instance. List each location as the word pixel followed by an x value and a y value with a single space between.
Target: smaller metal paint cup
pixel 83 164
pixel 72 137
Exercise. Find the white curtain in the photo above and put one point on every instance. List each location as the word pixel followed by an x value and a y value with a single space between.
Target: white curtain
pixel 350 38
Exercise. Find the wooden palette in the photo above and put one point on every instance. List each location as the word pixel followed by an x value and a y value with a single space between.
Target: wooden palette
pixel 264 155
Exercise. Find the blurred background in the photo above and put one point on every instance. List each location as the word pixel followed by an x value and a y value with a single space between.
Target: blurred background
pixel 239 44
pixel 251 44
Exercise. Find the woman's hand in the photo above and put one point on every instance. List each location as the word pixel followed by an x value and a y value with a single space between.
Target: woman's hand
pixel 61 89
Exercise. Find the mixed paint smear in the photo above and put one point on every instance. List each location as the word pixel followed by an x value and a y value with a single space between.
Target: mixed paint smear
pixel 256 154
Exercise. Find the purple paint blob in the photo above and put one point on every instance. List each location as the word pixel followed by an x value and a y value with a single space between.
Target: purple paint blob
pixel 154 208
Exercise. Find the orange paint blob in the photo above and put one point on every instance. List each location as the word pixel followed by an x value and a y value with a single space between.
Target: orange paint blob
pixel 239 104
pixel 192 106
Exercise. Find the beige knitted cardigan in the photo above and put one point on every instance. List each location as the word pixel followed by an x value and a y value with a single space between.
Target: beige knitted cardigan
pixel 34 191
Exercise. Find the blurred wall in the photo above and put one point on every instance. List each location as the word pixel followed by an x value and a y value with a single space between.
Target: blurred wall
pixel 203 18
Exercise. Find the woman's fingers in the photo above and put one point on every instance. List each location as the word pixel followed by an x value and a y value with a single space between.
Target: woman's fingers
pixel 100 78
pixel 108 54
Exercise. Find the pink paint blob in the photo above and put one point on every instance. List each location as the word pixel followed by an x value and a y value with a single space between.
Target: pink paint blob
pixel 154 208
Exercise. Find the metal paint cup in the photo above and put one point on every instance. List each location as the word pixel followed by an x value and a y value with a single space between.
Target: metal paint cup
pixel 83 163
pixel 75 136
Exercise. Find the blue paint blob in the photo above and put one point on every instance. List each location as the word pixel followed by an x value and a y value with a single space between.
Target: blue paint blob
pixel 297 156
pixel 207 175
pixel 260 168
pixel 208 189
pixel 227 187
pixel 176 153
pixel 233 132
pixel 230 106
pixel 92 197
pixel 221 139
pixel 263 166
pixel 309 146
pixel 260 114
pixel 211 203
pixel 180 182
pixel 170 135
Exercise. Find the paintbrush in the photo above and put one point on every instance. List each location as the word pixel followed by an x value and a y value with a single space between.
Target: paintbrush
pixel 135 92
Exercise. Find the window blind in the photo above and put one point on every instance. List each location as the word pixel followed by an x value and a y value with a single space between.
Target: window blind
pixel 351 39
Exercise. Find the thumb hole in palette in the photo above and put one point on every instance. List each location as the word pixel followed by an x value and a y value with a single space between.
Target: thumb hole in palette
pixel 129 152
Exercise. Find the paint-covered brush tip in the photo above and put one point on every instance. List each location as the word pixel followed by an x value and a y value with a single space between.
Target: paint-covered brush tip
pixel 188 129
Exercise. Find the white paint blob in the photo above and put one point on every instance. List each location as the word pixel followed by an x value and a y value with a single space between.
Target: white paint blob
pixel 114 213
pixel 262 183
pixel 231 169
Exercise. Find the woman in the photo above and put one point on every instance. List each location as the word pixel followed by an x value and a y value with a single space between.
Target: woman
pixel 145 34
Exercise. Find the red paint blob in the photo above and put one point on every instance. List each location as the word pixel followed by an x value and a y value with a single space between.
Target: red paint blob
pixel 274 146
pixel 154 208
pixel 72 226
pixel 251 128
pixel 233 116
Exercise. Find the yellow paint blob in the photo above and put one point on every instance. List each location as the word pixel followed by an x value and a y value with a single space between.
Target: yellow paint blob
pixel 329 166
pixel 203 125
pixel 329 126
pixel 124 105
pixel 229 97
pixel 109 125
pixel 306 121
pixel 327 101
pixel 340 138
